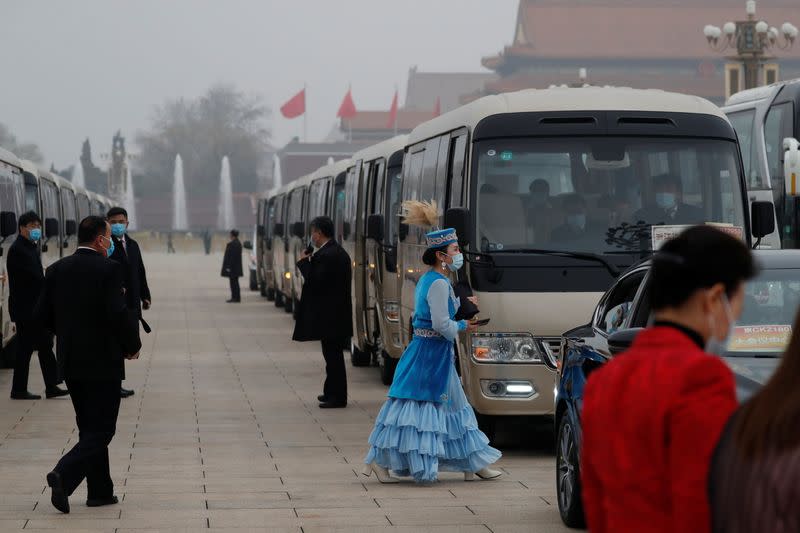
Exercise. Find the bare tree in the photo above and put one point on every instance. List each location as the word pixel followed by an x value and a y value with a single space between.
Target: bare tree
pixel 24 150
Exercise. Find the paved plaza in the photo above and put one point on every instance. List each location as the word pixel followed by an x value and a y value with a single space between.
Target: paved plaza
pixel 224 433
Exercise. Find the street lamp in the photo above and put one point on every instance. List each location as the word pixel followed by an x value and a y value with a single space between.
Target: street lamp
pixel 752 39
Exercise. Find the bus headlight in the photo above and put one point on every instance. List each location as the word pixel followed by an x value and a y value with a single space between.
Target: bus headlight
pixel 287 275
pixel 506 348
pixel 391 311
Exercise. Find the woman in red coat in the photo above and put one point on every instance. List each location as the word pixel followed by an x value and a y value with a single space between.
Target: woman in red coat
pixel 652 416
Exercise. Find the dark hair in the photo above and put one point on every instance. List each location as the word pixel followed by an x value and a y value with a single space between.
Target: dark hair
pixel 698 258
pixel 114 211
pixel 28 218
pixel 324 225
pixel 539 185
pixel 234 233
pixel 90 228
pixel 669 179
pixel 429 257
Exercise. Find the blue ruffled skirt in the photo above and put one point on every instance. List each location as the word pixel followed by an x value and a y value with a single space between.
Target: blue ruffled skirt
pixel 420 439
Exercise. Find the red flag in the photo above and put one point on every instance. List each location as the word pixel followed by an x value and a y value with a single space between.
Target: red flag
pixel 437 110
pixel 393 112
pixel 296 105
pixel 348 107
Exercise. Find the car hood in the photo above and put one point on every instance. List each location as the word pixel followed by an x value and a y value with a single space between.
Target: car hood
pixel 751 373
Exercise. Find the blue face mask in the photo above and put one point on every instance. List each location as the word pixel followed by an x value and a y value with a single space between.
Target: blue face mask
pixel 665 200
pixel 458 262
pixel 110 250
pixel 36 234
pixel 118 230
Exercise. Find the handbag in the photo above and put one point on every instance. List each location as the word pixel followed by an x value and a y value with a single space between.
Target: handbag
pixel 467 310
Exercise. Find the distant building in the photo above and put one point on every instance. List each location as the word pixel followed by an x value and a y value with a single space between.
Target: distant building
pixel 298 158
pixel 633 43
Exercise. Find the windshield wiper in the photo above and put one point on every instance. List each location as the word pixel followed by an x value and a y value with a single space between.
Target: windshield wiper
pixel 586 256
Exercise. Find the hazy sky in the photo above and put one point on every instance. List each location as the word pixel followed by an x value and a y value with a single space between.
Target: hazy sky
pixel 85 68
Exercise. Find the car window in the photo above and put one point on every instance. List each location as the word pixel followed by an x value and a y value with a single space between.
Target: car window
pixel 615 308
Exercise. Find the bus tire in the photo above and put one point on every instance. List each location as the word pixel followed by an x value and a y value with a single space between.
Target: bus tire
pixel 270 294
pixel 278 298
pixel 488 425
pixel 388 366
pixel 359 358
pixel 263 288
pixel 287 304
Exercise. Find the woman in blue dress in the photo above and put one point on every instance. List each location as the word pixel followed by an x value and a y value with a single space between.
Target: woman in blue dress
pixel 427 425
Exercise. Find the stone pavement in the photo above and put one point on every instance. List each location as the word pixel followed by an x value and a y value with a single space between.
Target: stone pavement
pixel 224 433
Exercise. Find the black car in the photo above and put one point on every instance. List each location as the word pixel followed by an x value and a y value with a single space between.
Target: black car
pixel 753 351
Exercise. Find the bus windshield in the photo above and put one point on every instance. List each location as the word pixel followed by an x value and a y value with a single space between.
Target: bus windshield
pixel 601 194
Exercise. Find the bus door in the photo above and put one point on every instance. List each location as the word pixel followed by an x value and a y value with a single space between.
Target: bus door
pixel 373 272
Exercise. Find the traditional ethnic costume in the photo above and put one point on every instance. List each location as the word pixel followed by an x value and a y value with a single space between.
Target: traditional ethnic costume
pixel 427 424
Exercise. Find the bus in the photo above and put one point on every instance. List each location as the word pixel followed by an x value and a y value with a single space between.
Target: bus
pixel 763 118
pixel 553 194
pixel 376 331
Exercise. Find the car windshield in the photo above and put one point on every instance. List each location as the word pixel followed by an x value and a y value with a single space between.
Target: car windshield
pixel 770 304
pixel 602 194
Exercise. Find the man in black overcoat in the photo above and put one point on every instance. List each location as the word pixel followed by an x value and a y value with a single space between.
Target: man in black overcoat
pixel 324 313
pixel 232 265
pixel 25 282
pixel 83 302
pixel 129 255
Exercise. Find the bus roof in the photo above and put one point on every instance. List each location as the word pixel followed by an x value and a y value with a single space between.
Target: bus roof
pixel 10 158
pixel 755 94
pixel 563 99
pixel 383 149
pixel 334 169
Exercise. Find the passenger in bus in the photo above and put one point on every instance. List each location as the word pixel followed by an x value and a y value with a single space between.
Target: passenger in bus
pixel 129 255
pixel 540 210
pixel 25 281
pixel 668 207
pixel 575 226
pixel 325 312
pixel 668 397
pixel 427 424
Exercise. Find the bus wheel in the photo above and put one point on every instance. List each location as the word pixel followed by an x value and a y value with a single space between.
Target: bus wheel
pixel 487 424
pixel 263 288
pixel 388 366
pixel 270 294
pixel 278 298
pixel 359 358
pixel 287 304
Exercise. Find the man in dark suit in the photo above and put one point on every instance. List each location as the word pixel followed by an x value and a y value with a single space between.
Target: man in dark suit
pixel 83 303
pixel 324 313
pixel 25 282
pixel 129 255
pixel 232 265
pixel 669 207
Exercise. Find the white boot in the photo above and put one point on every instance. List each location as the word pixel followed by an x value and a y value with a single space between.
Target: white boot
pixel 483 473
pixel 381 473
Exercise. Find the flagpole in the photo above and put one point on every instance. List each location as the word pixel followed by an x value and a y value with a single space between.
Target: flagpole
pixel 305 114
pixel 397 118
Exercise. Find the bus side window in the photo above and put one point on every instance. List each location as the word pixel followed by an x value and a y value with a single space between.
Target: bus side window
pixel 427 189
pixel 411 189
pixel 458 148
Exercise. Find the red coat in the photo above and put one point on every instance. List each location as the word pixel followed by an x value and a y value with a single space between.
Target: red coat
pixel 651 419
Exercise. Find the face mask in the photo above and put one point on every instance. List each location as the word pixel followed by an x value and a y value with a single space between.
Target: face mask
pixel 577 221
pixel 715 345
pixel 665 200
pixel 458 262
pixel 35 234
pixel 110 249
pixel 118 230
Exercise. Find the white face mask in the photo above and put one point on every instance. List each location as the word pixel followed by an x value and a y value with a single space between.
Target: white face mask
pixel 720 346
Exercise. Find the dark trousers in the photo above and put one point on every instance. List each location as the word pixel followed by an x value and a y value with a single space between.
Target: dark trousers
pixel 96 406
pixel 30 338
pixel 335 387
pixel 235 294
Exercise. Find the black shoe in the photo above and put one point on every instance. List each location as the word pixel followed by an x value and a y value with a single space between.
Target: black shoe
pixel 322 398
pixel 55 392
pixel 232 301
pixel 24 396
pixel 59 497
pixel 332 404
pixel 125 393
pixel 99 502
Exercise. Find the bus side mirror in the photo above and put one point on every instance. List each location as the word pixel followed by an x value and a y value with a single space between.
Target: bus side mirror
pixel 458 219
pixel 247 245
pixel 8 224
pixel 375 227
pixel 791 166
pixel 762 218
pixel 278 229
pixel 70 228
pixel 260 230
pixel 621 340
pixel 298 230
pixel 51 227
